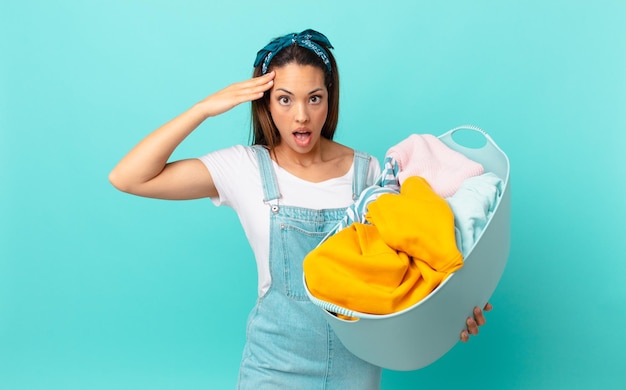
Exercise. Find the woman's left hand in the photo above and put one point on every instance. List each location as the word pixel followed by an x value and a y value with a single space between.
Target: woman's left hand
pixel 474 323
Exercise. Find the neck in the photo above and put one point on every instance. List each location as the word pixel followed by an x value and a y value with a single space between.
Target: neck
pixel 284 155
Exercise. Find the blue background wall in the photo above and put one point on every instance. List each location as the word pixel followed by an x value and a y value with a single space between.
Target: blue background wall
pixel 102 290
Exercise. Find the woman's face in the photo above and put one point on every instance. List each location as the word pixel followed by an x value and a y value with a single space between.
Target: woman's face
pixel 299 106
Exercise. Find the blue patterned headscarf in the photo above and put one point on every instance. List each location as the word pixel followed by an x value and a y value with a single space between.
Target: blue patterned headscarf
pixel 309 39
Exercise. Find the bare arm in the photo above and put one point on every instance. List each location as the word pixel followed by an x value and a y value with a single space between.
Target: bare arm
pixel 145 170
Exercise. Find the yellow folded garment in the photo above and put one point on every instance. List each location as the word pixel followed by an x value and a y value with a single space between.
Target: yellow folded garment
pixel 418 222
pixel 387 266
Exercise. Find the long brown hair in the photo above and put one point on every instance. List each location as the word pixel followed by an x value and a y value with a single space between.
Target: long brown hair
pixel 264 131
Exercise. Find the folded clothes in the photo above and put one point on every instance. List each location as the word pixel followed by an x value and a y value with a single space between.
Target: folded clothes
pixel 407 249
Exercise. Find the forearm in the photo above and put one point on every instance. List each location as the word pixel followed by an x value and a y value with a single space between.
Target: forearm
pixel 150 156
pixel 145 170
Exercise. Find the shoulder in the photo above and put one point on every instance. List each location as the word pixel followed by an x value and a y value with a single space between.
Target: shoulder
pixel 232 161
pixel 336 150
pixel 236 153
pixel 373 165
pixel 374 169
pixel 349 155
pixel 337 154
pixel 341 151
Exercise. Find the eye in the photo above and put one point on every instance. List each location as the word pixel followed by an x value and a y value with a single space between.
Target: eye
pixel 315 99
pixel 284 100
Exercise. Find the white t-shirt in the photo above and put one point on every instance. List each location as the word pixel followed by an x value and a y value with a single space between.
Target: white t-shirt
pixel 235 172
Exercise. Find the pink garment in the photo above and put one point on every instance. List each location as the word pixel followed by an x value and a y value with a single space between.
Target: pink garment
pixel 426 156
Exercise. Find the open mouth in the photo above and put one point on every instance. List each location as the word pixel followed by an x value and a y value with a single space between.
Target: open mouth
pixel 302 137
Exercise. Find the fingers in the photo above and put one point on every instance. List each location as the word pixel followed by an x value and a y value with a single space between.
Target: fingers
pixel 237 93
pixel 473 323
pixel 257 85
pixel 266 82
pixel 472 328
pixel 479 317
pixel 254 88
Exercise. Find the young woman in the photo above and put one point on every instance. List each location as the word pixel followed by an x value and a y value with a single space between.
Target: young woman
pixel 289 188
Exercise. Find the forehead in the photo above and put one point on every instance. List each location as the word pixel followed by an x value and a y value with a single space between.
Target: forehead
pixel 299 78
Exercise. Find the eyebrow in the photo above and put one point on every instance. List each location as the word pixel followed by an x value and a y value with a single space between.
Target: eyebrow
pixel 291 93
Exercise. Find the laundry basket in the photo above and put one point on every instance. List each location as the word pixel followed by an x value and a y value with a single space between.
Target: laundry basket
pixel 419 335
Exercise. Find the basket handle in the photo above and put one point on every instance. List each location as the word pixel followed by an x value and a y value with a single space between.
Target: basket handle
pixel 449 133
pixel 490 148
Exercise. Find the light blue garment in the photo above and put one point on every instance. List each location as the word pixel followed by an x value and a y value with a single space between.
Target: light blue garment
pixel 289 344
pixel 473 205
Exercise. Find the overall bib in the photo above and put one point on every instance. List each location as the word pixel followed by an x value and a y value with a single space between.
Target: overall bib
pixel 290 345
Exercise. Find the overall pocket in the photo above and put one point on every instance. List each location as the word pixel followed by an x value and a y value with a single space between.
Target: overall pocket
pixel 296 244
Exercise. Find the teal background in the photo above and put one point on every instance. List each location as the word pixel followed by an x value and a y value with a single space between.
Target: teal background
pixel 103 290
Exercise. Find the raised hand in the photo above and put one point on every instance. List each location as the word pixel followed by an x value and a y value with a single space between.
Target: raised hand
pixel 145 170
pixel 237 93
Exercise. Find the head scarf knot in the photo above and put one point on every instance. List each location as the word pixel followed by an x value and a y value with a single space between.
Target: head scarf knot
pixel 309 39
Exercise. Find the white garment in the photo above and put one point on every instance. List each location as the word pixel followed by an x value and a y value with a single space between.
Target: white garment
pixel 235 172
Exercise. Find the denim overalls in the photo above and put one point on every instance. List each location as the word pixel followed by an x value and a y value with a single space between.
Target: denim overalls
pixel 289 343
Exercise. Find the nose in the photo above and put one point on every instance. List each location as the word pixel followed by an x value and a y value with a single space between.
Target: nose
pixel 302 113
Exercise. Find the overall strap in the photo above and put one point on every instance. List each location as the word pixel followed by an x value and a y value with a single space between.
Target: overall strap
pixel 268 176
pixel 361 167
